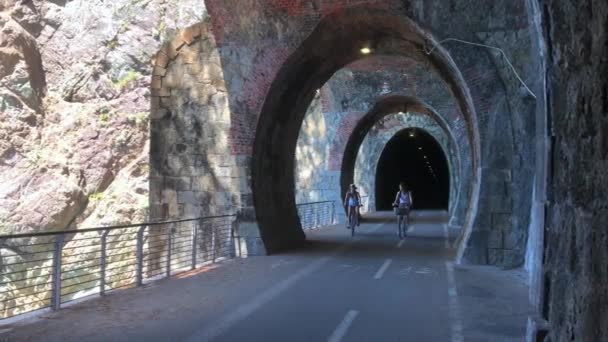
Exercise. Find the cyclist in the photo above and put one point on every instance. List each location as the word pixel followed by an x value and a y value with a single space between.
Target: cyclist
pixel 352 201
pixel 403 203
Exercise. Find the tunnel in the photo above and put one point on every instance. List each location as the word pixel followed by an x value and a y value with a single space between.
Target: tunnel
pixel 292 91
pixel 413 156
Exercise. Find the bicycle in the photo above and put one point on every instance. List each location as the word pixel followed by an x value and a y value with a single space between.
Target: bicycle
pixel 353 220
pixel 402 221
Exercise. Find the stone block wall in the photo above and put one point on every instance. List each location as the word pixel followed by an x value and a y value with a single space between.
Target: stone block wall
pixel 191 174
pixel 575 279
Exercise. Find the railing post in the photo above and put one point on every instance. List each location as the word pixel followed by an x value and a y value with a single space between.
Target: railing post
pixel 236 236
pixel 140 256
pixel 57 253
pixel 169 244
pixel 233 243
pixel 103 263
pixel 213 244
pixel 333 213
pixel 195 225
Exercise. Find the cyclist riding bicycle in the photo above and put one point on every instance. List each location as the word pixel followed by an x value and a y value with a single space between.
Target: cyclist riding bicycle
pixel 403 203
pixel 352 201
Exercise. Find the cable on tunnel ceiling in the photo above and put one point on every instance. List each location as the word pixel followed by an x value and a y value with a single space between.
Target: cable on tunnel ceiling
pixel 504 55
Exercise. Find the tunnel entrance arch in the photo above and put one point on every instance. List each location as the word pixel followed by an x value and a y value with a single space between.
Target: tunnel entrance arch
pixel 336 41
pixel 415 157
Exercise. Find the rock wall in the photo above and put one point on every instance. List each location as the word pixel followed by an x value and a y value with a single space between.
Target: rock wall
pixel 576 253
pixel 74 109
pixel 75 82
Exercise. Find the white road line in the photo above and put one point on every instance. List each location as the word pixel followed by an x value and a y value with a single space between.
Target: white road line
pixel 454 308
pixel 343 326
pixel 446 238
pixel 400 244
pixel 241 312
pixel 383 269
pixel 225 323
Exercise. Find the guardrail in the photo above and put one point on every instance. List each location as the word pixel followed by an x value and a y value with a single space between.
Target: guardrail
pixel 316 214
pixel 49 269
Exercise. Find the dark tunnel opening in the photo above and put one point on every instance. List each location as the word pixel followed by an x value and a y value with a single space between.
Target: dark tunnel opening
pixel 415 157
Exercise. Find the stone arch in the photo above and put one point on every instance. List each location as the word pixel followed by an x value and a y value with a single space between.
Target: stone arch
pixel 335 42
pixel 190 172
pixel 394 103
pixel 381 133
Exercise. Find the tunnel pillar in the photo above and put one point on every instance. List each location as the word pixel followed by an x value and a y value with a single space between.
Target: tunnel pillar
pixel 247 237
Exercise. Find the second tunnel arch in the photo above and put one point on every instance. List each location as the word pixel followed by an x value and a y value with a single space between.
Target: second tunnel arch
pixel 394 103
pixel 371 149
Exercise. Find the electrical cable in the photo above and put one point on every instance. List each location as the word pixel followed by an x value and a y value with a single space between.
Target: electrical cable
pixel 504 55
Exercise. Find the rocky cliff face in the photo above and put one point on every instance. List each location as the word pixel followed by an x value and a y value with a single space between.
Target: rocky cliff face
pixel 74 104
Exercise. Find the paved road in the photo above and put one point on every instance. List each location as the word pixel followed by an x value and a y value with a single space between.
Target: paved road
pixel 370 288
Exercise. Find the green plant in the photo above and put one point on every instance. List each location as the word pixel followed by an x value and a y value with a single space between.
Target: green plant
pixel 35 157
pixel 96 197
pixel 127 79
pixel 104 119
pixel 4 228
pixel 112 44
pixel 138 118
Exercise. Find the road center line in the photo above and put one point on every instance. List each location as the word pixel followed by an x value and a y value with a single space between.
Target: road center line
pixel 453 307
pixel 343 326
pixel 383 269
pixel 400 244
pixel 225 323
pixel 241 312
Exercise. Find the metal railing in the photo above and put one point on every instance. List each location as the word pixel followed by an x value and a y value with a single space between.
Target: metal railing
pixel 46 270
pixel 316 214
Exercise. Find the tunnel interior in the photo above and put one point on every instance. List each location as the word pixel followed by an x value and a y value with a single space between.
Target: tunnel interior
pixel 415 157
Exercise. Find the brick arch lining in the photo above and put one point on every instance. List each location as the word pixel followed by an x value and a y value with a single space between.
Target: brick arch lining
pixel 333 44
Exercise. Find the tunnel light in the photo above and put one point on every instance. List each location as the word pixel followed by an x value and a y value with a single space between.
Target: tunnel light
pixel 424 157
pixel 412 134
pixel 420 148
pixel 366 50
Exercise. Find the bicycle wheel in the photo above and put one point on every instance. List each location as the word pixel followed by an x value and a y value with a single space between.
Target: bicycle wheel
pixel 399 219
pixel 353 223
